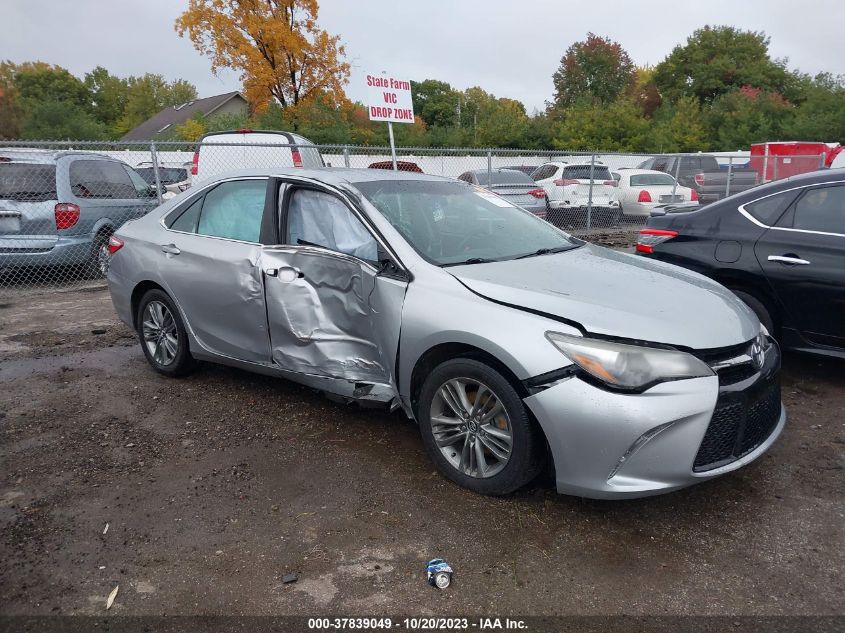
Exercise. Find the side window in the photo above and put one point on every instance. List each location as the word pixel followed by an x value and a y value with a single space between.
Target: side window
pixel 543 172
pixel 768 210
pixel 234 210
pixel 821 209
pixel 465 177
pixel 316 217
pixel 100 179
pixel 187 220
pixel 661 164
pixel 142 189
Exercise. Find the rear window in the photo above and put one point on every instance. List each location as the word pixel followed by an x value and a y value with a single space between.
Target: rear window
pixel 504 177
pixel 27 182
pixel 582 172
pixel 167 175
pixel 643 180
pixel 101 179
pixel 768 210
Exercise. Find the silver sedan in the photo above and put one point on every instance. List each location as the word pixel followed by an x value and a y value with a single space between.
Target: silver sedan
pixel 513 346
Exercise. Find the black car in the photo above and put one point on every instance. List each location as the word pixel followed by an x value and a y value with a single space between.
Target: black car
pixel 780 247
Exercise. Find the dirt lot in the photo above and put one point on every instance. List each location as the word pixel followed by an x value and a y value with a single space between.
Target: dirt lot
pixel 215 486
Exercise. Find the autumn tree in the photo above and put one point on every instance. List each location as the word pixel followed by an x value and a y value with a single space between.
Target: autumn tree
pixel 276 45
pixel 596 69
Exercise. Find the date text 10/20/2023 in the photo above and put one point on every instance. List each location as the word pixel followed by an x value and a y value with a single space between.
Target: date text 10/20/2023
pixel 417 624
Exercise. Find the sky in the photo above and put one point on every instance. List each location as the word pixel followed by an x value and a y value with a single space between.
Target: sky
pixel 508 48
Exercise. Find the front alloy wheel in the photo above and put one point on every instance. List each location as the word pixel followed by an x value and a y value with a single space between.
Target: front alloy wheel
pixel 471 427
pixel 477 429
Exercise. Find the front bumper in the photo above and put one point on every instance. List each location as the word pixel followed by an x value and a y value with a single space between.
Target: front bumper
pixel 609 445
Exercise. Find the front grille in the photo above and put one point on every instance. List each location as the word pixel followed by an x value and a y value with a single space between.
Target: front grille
pixel 740 423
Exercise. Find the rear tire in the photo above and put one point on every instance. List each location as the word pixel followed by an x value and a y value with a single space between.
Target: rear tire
pixel 759 309
pixel 97 265
pixel 163 337
pixel 495 447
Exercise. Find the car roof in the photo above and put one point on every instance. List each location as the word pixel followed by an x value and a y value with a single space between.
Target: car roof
pixel 42 156
pixel 332 175
pixel 494 170
pixel 627 171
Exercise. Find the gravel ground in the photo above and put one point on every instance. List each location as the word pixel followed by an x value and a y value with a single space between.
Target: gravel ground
pixel 215 486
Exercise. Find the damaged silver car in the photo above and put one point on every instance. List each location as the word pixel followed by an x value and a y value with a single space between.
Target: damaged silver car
pixel 513 345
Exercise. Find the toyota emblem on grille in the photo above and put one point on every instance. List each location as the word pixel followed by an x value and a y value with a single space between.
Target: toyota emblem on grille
pixel 757 353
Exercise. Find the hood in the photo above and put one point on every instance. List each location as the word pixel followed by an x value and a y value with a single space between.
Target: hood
pixel 621 295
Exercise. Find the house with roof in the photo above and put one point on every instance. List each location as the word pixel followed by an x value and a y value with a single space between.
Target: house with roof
pixel 161 125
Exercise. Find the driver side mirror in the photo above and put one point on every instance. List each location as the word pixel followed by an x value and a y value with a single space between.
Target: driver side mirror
pixel 387 267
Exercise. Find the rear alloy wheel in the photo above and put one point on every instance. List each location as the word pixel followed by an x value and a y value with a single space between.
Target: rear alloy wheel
pixel 163 337
pixel 98 260
pixel 477 430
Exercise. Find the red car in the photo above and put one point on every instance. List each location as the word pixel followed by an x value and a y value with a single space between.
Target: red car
pixel 401 165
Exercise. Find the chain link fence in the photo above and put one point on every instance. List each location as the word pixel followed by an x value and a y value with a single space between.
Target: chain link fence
pixel 61 201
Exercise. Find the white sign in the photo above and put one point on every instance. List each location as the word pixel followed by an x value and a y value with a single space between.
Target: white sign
pixel 389 99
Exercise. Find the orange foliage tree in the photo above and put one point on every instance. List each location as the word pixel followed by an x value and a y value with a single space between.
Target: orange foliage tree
pixel 276 45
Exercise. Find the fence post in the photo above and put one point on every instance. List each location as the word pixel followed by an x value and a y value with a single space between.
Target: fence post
pixel 346 155
pixel 490 169
pixel 730 176
pixel 821 161
pixel 775 167
pixel 677 172
pixel 590 194
pixel 154 157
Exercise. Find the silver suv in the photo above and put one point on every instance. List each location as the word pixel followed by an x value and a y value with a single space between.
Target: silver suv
pixel 59 208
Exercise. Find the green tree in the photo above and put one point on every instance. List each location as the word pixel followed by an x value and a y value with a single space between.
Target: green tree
pixel 619 126
pixel 595 69
pixel 821 115
pixel 62 121
pixel 109 95
pixel 39 85
pixel 539 133
pixel 149 94
pixel 435 102
pixel 717 60
pixel 747 116
pixel 678 127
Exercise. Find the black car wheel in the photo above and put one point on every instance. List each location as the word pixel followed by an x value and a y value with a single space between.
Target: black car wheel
pixel 477 430
pixel 163 336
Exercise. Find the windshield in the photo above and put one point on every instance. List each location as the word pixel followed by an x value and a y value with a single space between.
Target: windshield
pixel 582 172
pixel 453 223
pixel 27 182
pixel 652 179
pixel 166 175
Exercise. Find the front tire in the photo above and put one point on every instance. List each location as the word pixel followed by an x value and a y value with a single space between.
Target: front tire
pixel 477 430
pixel 163 336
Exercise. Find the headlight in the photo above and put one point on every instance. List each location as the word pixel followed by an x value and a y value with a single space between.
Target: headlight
pixel 628 366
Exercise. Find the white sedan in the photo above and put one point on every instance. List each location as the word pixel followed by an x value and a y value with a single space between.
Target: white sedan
pixel 640 190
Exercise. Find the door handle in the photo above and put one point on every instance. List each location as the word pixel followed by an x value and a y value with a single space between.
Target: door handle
pixel 170 249
pixel 287 274
pixel 788 259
